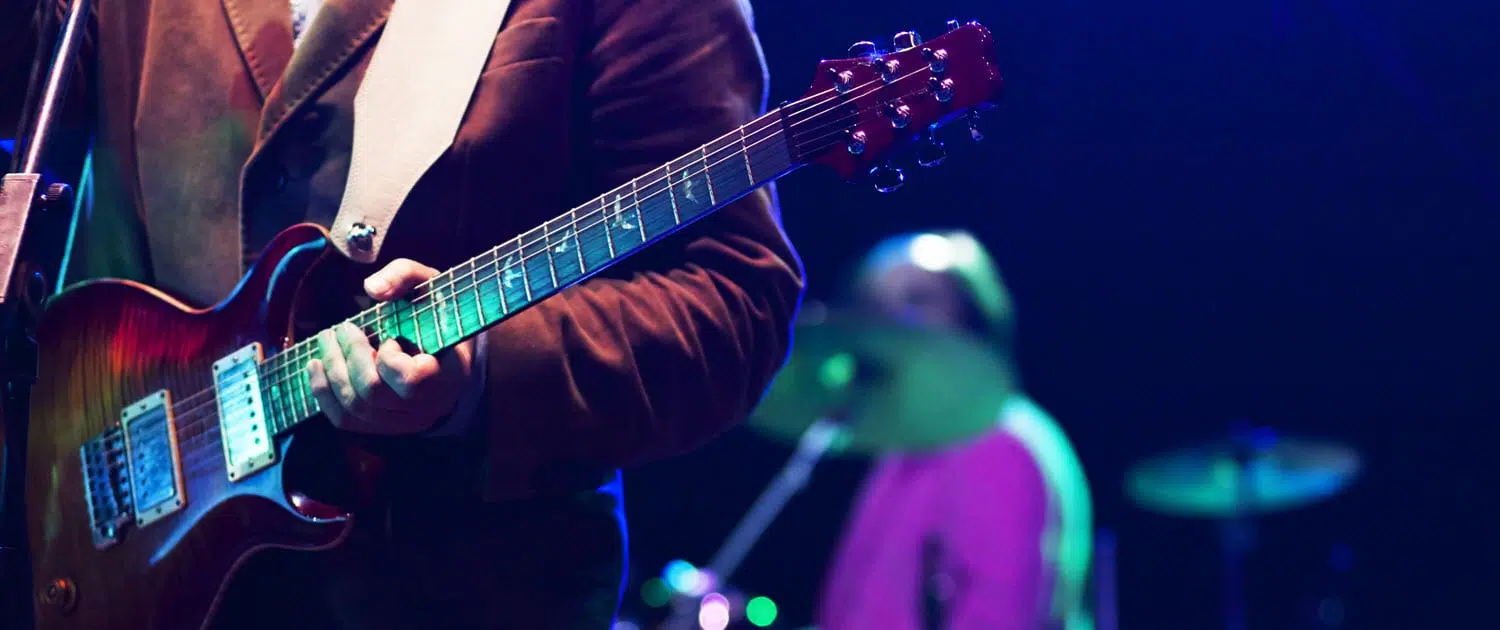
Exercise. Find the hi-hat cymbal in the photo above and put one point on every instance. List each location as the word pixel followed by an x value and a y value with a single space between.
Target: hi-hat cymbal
pixel 1278 475
pixel 893 386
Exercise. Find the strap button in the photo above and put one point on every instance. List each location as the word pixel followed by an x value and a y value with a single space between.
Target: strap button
pixel 362 237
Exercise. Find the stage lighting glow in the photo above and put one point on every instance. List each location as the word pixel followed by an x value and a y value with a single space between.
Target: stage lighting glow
pixel 681 575
pixel 931 252
pixel 624 625
pixel 938 253
pixel 713 612
pixel 761 611
pixel 655 593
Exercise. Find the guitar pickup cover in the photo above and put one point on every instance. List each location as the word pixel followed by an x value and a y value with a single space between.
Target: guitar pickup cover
pixel 156 483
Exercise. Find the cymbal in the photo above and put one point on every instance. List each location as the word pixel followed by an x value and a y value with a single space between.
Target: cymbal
pixel 1204 481
pixel 892 386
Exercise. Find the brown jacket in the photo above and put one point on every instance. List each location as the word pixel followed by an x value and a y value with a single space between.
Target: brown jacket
pixel 212 135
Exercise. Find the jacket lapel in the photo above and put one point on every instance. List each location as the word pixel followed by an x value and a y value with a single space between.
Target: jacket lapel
pixel 336 34
pixel 263 31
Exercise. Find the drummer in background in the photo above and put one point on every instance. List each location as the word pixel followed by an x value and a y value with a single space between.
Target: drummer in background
pixel 1002 525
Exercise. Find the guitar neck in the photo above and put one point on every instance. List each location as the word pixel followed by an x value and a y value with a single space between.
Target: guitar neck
pixel 489 288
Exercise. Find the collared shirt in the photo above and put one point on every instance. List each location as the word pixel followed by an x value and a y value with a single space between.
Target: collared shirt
pixel 303 12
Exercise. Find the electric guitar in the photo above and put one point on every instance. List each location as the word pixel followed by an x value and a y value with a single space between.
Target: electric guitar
pixel 161 443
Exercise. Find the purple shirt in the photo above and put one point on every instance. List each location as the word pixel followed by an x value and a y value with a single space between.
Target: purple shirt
pixel 988 506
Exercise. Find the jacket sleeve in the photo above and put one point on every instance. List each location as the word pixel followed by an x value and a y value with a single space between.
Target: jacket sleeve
pixel 661 355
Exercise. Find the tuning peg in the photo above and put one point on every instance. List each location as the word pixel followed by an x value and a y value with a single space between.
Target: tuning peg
pixel 862 49
pixel 855 141
pixel 974 132
pixel 952 25
pixel 931 152
pixel 887 178
pixel 906 40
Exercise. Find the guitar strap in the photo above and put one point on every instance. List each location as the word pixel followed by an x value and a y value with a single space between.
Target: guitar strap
pixel 419 82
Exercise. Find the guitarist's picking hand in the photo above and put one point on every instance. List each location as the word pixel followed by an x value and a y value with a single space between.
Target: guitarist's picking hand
pixel 387 391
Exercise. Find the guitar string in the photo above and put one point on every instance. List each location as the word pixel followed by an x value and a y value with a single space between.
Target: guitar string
pixel 295 356
pixel 305 348
pixel 419 287
pixel 195 450
pixel 189 418
pixel 450 280
pixel 189 422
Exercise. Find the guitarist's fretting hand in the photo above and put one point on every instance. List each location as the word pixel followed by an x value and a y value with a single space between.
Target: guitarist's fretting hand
pixel 387 391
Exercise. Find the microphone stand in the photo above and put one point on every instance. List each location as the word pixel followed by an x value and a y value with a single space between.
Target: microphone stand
pixel 816 441
pixel 23 286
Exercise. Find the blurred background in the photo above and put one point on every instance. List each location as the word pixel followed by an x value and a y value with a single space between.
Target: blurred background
pixel 1286 213
pixel 1276 211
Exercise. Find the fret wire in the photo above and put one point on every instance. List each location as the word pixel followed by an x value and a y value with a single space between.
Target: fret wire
pixel 273 410
pixel 672 196
pixel 500 283
pixel 745 151
pixel 577 242
pixel 437 320
pixel 547 250
pixel 416 323
pixel 458 316
pixel 478 295
pixel 608 238
pixel 640 221
pixel 298 379
pixel 708 179
pixel 525 280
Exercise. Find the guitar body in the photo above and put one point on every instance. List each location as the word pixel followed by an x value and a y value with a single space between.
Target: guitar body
pixel 107 344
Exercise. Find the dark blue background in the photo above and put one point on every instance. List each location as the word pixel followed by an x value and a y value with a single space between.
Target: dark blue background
pixel 1205 210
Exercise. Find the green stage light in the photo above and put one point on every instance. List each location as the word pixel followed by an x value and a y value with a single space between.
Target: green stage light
pixel 761 611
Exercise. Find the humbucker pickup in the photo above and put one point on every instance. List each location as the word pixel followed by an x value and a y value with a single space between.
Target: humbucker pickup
pixel 247 439
pixel 156 483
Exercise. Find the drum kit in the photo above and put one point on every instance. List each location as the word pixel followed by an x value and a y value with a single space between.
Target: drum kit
pixel 864 386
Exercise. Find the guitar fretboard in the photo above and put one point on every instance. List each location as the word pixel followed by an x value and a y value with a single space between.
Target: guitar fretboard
pixel 491 287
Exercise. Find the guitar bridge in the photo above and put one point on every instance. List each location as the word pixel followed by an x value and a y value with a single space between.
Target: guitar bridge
pixel 106 486
pixel 155 465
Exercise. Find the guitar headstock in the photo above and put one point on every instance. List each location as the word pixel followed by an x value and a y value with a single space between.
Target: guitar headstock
pixel 862 108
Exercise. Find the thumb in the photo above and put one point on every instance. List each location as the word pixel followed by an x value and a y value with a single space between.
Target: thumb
pixel 397 278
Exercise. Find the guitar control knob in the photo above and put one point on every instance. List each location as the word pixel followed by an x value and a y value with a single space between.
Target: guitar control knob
pixel 862 49
pixel 887 178
pixel 906 40
pixel 60 594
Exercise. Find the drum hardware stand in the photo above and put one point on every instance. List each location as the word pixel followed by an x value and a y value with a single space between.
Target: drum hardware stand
pixel 23 286
pixel 1238 529
pixel 816 441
